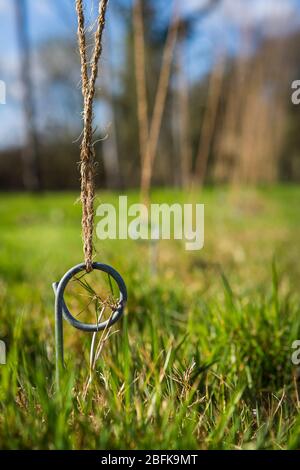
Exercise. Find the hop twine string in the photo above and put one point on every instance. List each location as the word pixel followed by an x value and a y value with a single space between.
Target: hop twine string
pixel 89 73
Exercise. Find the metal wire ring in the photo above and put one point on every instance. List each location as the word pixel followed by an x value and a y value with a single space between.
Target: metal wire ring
pixel 60 287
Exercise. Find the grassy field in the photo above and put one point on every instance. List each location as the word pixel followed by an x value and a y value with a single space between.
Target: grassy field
pixel 202 358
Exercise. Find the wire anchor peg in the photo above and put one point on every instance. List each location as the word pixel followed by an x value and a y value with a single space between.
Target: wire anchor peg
pixel 62 311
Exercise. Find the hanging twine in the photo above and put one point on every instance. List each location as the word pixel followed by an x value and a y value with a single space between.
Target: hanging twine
pixel 87 155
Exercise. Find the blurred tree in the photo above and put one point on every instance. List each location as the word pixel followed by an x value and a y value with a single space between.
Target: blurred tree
pixel 31 163
pixel 111 160
pixel 155 92
pixel 209 121
pixel 252 135
pixel 183 108
pixel 140 76
pixel 185 35
pixel 159 105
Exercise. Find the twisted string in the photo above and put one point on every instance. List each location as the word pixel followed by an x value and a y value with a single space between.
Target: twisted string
pixel 87 153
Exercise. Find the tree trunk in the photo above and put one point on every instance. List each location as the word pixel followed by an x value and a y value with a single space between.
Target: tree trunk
pixel 209 120
pixel 110 145
pixel 140 75
pixel 31 164
pixel 159 105
pixel 183 120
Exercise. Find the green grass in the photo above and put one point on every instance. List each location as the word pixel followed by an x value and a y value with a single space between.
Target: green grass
pixel 202 358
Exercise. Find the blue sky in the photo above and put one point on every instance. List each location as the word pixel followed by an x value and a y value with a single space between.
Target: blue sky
pixel 51 18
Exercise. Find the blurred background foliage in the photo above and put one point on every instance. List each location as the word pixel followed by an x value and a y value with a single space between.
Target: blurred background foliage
pixel 227 115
